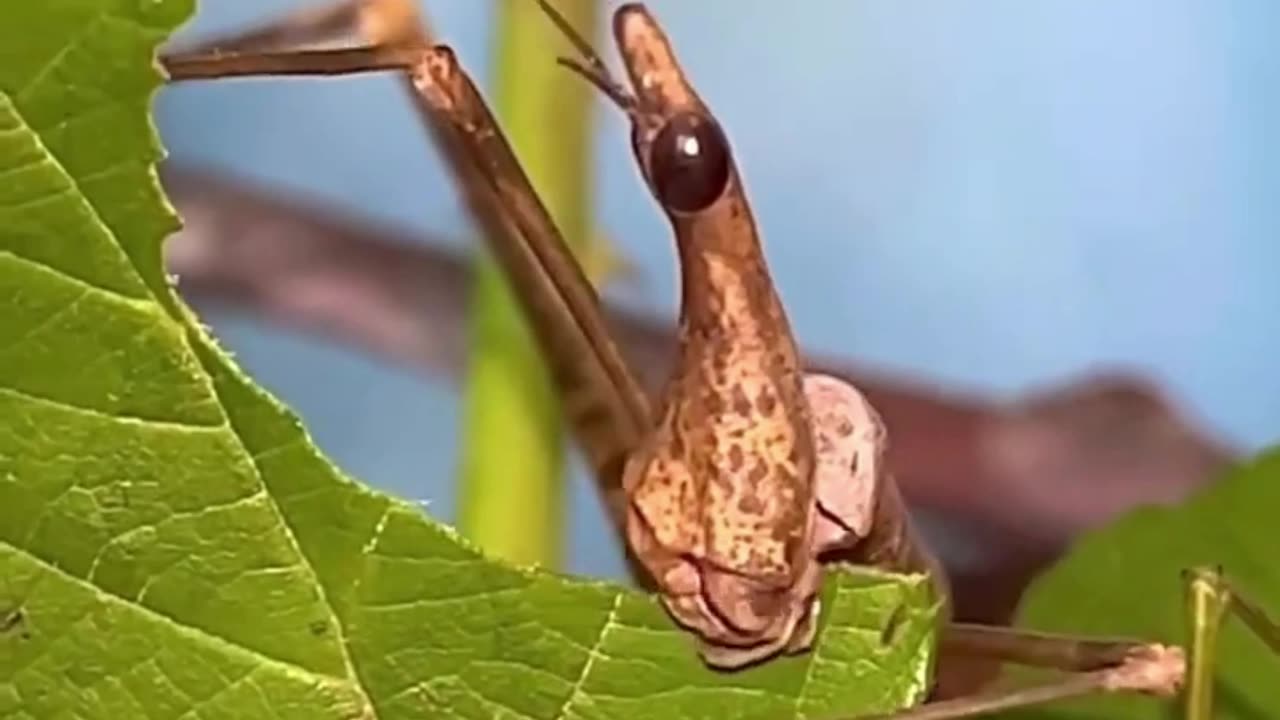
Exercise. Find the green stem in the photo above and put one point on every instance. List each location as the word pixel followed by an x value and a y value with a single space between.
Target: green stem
pixel 511 494
pixel 1207 601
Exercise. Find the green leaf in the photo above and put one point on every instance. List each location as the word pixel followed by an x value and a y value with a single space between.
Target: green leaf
pixel 1126 580
pixel 173 545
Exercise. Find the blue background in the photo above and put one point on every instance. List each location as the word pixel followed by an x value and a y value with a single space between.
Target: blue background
pixel 990 194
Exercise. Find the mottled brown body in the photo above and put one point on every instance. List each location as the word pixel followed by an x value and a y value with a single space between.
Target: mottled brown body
pixel 722 508
pixel 723 556
pixel 722 494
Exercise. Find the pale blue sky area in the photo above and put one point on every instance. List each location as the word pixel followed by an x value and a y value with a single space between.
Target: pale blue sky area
pixel 995 194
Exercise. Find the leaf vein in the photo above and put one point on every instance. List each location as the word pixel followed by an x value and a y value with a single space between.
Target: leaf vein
pixel 169 519
pixel 48 320
pixel 54 60
pixel 134 302
pixel 308 567
pixel 432 602
pixel 610 622
pixel 100 415
pixel 190 631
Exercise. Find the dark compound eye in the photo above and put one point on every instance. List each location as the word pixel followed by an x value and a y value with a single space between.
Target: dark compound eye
pixel 689 163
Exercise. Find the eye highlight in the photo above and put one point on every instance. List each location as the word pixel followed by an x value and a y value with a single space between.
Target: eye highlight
pixel 689 163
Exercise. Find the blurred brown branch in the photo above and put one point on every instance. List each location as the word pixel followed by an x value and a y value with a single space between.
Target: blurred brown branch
pixel 1019 479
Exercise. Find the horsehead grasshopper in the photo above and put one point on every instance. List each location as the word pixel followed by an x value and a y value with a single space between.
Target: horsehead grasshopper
pixel 687 163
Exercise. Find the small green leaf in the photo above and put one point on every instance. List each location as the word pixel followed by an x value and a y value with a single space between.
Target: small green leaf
pixel 173 545
pixel 1126 580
